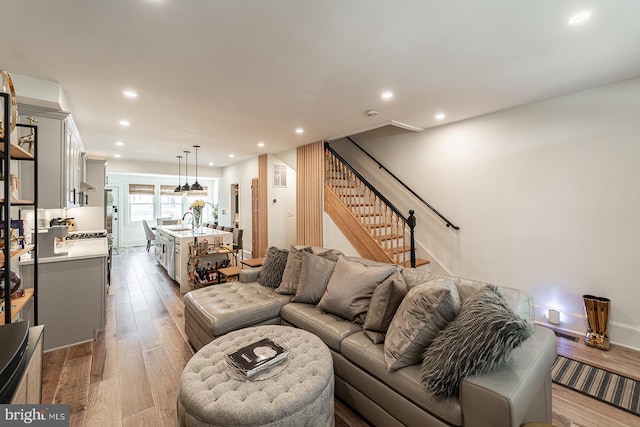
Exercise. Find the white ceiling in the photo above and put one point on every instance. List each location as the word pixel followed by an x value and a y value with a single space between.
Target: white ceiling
pixel 228 74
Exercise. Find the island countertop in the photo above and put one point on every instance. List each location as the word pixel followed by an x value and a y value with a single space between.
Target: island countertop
pixel 76 249
pixel 181 231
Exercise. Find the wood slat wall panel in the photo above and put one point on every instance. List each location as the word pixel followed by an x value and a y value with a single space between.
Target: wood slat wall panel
pixel 309 194
pixel 263 195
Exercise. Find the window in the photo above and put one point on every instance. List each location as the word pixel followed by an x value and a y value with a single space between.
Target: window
pixel 279 175
pixel 141 197
pixel 170 202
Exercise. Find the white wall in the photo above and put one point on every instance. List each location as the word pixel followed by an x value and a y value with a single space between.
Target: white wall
pixel 546 197
pixel 240 173
pixel 281 213
pixel 282 206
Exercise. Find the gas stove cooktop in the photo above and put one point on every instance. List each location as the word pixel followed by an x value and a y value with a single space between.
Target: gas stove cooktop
pixel 89 235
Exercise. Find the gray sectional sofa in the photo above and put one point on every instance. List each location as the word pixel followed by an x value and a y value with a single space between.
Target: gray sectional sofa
pixel 516 392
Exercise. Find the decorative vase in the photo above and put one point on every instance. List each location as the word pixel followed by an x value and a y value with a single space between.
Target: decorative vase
pixel 197 219
pixel 597 311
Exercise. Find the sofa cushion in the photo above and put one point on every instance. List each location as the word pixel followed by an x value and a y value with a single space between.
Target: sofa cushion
pixel 385 301
pixel 314 276
pixel 350 287
pixel 479 340
pixel 291 274
pixel 229 306
pixel 424 311
pixel 273 267
pixel 360 351
pixel 330 328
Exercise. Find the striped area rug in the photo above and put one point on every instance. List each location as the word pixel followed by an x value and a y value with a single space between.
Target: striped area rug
pixel 607 387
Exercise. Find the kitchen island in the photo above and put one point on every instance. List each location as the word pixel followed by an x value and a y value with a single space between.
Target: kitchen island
pixel 72 291
pixel 172 248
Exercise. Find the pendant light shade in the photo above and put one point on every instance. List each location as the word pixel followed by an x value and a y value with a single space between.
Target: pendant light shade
pixel 178 188
pixel 196 186
pixel 186 187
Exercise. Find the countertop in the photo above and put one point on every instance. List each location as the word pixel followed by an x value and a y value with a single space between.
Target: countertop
pixel 76 250
pixel 182 231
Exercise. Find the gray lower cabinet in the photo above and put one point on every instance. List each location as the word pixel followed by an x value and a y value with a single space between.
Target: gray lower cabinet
pixel 71 299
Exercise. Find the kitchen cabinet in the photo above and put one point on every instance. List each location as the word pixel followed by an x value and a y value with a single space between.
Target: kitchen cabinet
pixel 59 182
pixel 95 172
pixel 72 299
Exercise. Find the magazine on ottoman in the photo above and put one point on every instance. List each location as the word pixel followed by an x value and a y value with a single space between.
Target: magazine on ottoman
pixel 257 356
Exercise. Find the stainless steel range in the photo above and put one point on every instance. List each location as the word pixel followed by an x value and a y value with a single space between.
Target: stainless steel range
pixel 86 235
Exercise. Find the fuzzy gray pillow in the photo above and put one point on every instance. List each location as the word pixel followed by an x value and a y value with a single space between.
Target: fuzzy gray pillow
pixel 479 340
pixel 291 275
pixel 273 267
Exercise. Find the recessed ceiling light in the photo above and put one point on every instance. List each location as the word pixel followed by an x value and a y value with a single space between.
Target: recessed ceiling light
pixel 260 144
pixel 580 17
pixel 130 94
pixel 120 143
pixel 387 94
pixel 232 155
pixel 117 155
pixel 440 116
pixel 299 131
pixel 210 163
pixel 124 123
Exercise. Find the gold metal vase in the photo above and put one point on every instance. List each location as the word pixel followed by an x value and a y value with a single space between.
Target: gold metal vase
pixel 597 311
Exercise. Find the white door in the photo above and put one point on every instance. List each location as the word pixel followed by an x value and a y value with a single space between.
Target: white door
pixel 112 204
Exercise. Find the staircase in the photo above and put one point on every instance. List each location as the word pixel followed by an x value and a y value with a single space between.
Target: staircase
pixel 371 223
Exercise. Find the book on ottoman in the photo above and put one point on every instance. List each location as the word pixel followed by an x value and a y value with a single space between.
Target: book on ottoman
pixel 255 357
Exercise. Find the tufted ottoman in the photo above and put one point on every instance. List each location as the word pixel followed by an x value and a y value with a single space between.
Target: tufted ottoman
pixel 216 310
pixel 300 395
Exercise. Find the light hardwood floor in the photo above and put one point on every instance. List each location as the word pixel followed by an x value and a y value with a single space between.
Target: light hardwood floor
pixel 129 375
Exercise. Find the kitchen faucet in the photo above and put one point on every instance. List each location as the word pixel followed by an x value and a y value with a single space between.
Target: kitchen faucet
pixel 193 221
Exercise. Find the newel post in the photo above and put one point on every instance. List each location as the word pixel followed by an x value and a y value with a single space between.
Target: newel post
pixel 411 221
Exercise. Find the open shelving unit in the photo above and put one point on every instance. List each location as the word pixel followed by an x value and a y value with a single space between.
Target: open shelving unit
pixel 10 151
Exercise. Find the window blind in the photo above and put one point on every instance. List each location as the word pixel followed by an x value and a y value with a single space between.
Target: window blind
pixel 169 190
pixel 142 189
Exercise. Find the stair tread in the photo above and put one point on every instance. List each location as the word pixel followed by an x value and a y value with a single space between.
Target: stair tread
pixel 419 262
pixel 369 214
pixel 379 225
pixel 399 249
pixel 389 236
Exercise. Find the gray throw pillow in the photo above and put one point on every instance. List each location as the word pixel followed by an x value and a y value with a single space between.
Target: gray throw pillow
pixel 350 288
pixel 385 301
pixel 291 275
pixel 424 311
pixel 314 276
pixel 273 267
pixel 479 340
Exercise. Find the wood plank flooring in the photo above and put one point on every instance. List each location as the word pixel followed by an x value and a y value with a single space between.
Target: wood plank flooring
pixel 129 375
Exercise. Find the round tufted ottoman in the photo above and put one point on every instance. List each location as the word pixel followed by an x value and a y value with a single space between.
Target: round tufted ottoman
pixel 300 395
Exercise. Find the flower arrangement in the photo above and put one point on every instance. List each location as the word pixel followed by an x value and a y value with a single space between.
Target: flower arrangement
pixel 197 204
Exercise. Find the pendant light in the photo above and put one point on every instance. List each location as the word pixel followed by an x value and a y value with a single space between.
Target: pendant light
pixel 196 186
pixel 178 188
pixel 186 187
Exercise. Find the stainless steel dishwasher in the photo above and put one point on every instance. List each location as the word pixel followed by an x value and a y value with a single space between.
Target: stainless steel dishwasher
pixel 171 268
